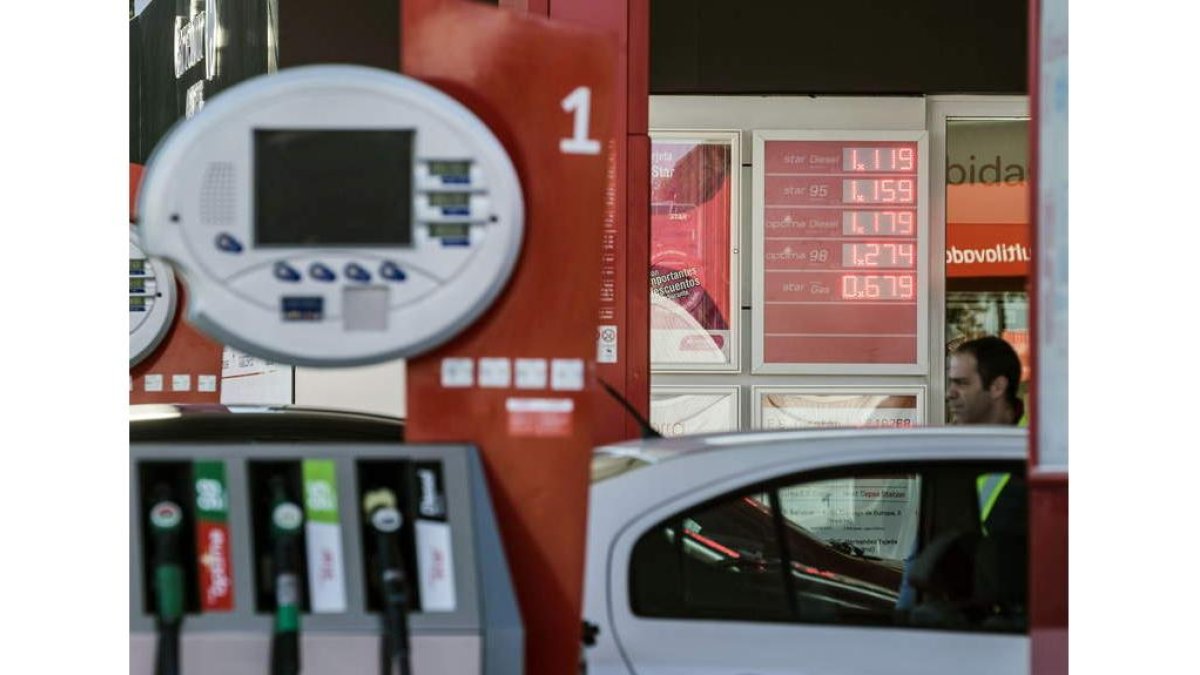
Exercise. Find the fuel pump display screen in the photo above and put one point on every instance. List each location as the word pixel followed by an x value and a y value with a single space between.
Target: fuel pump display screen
pixel 450 169
pixel 334 215
pixel 337 187
pixel 841 244
pixel 151 301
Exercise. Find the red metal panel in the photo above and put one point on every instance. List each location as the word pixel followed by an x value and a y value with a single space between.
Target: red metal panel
pixel 184 350
pixel 514 71
pixel 541 7
pixel 637 278
pixel 1048 523
pixel 629 21
pixel 1048 582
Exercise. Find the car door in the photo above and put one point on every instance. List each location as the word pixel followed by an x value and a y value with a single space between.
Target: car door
pixel 901 568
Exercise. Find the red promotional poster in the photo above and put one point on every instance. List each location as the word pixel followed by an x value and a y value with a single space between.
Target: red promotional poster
pixel 838 250
pixel 692 197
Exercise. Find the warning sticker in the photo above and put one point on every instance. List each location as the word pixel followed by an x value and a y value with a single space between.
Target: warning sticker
pixel 539 417
pixel 606 344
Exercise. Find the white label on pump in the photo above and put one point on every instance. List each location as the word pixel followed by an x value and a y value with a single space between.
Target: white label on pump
pixel 154 382
pixel 435 566
pixel 323 531
pixel 458 373
pixel 531 373
pixel 495 373
pixel 566 374
pixel 206 383
pixel 325 567
pixel 181 382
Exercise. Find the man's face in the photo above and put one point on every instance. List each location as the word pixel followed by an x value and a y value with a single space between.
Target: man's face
pixel 970 402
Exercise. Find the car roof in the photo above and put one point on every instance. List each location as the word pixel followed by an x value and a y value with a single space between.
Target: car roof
pixel 239 423
pixel 660 450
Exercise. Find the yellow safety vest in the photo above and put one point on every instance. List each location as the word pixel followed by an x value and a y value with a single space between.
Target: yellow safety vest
pixel 989 487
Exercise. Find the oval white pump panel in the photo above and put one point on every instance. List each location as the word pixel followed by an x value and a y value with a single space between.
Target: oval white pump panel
pixel 151 301
pixel 334 215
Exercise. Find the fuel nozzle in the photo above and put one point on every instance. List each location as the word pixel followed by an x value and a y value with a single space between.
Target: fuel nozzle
pixel 286 520
pixel 385 522
pixel 166 525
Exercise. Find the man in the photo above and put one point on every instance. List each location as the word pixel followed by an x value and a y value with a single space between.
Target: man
pixel 984 376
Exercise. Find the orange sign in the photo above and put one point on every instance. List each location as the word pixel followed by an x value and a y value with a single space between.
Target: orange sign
pixel 987 230
pixel 987 250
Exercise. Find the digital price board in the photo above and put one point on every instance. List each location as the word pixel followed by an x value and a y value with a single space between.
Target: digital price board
pixel 839 251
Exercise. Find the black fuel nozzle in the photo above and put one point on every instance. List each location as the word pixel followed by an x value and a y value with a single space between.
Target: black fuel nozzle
pixel 166 527
pixel 286 521
pixel 385 521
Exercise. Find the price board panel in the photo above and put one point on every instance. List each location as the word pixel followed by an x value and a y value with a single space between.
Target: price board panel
pixel 840 252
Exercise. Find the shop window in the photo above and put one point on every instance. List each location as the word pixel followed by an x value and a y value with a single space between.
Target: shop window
pixel 988 237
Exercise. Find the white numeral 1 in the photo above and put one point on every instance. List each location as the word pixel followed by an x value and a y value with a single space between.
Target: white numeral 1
pixel 579 102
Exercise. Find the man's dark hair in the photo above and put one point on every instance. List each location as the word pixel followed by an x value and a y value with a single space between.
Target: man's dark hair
pixel 995 357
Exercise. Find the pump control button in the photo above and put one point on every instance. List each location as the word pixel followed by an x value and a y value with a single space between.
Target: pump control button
pixel 228 244
pixel 391 271
pixel 321 272
pixel 285 272
pixel 357 273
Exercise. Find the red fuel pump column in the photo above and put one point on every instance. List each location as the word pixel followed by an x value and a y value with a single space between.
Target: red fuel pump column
pixel 186 366
pixel 521 382
pixel 624 313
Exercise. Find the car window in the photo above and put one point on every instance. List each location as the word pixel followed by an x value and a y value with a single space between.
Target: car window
pixel 863 515
pixel 846 539
pixel 941 546
pixel 725 565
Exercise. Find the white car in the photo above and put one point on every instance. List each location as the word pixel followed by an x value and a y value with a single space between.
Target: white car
pixel 831 552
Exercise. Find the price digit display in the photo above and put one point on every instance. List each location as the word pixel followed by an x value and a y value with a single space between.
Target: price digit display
pixel 888 223
pixel 878 255
pixel 878 159
pixel 877 287
pixel 878 191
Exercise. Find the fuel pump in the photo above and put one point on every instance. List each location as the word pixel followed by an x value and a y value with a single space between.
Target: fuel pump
pixel 335 215
pixel 385 522
pixel 286 520
pixel 166 520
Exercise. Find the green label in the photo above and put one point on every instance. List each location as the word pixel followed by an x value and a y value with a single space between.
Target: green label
pixel 320 491
pixel 212 498
pixel 287 619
